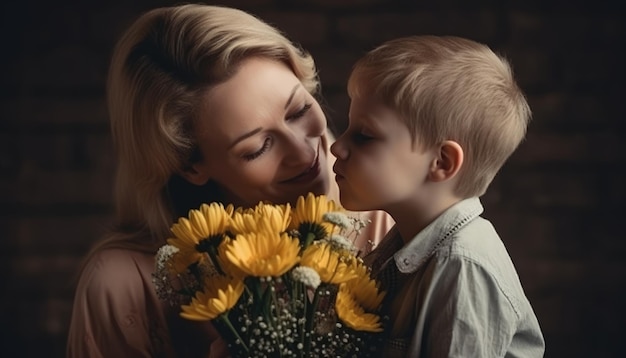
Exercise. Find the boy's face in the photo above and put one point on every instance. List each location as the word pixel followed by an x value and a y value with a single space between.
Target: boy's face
pixel 378 165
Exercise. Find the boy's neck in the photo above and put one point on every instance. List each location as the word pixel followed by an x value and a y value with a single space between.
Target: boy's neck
pixel 413 217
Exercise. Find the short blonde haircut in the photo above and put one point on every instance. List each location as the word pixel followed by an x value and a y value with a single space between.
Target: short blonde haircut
pixel 449 88
pixel 162 65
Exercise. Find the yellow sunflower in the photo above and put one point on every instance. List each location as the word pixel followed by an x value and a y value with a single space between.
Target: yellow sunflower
pixel 243 221
pixel 220 295
pixel 202 227
pixel 275 218
pixel 308 215
pixel 181 260
pixel 352 314
pixel 262 254
pixel 227 266
pixel 330 265
pixel 364 288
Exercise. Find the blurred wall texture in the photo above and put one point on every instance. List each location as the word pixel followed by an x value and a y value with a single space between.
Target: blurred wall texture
pixel 557 203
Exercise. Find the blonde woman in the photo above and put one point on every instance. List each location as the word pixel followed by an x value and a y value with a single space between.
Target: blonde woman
pixel 206 103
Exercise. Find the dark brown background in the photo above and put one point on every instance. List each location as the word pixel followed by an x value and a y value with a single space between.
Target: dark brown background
pixel 557 203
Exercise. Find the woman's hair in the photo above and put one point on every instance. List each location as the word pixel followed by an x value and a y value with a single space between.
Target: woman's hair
pixel 161 67
pixel 449 88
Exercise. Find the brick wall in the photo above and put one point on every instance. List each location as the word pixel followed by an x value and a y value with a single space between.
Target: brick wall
pixel 557 203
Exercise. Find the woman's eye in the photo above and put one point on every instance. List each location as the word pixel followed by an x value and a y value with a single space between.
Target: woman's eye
pixel 258 153
pixel 300 113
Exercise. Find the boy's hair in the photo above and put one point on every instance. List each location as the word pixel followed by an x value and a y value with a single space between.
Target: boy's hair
pixel 449 88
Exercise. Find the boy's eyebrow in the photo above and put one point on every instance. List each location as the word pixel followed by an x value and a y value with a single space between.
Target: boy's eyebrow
pixel 293 93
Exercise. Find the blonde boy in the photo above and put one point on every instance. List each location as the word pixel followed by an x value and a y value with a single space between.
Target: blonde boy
pixel 432 120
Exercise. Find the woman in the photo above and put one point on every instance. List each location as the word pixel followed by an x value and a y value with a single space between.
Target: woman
pixel 206 103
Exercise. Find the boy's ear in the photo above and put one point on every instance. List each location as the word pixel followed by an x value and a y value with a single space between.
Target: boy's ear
pixel 448 161
pixel 196 174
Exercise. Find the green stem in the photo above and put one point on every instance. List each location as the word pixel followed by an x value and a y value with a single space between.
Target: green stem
pixel 224 318
pixel 302 290
pixel 310 318
pixel 308 240
pixel 277 313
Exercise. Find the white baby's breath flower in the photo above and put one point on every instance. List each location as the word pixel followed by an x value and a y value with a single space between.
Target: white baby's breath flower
pixel 340 242
pixel 337 218
pixel 358 224
pixel 307 276
pixel 163 255
pixel 162 275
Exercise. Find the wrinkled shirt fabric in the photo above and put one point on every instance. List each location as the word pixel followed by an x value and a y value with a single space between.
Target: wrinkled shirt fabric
pixel 454 291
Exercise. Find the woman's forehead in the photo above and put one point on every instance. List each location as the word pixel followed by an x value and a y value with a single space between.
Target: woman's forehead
pixel 259 93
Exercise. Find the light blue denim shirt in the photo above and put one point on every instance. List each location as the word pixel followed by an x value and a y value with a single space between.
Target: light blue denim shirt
pixel 458 293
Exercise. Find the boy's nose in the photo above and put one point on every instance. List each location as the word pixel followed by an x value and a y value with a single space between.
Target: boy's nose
pixel 338 148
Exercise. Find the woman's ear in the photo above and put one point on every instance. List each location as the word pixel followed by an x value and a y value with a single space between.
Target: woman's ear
pixel 197 174
pixel 448 162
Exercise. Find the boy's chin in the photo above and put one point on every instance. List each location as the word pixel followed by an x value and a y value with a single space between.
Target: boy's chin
pixel 349 203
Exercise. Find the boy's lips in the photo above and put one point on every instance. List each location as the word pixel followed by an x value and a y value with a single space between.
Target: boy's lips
pixel 338 174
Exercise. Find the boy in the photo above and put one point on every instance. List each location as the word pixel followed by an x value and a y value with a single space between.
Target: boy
pixel 432 120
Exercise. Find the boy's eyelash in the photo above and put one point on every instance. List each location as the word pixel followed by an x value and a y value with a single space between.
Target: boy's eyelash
pixel 258 153
pixel 360 137
pixel 301 112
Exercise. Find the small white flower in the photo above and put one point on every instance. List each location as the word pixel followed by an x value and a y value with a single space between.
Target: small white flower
pixel 339 242
pixel 358 224
pixel 337 218
pixel 164 255
pixel 307 276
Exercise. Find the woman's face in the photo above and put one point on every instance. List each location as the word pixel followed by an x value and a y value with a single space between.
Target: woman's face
pixel 262 137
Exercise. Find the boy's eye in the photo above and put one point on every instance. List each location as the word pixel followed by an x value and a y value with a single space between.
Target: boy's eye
pixel 300 112
pixel 359 137
pixel 258 153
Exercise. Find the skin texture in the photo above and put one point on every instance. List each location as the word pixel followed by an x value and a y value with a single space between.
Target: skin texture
pixel 265 138
pixel 380 167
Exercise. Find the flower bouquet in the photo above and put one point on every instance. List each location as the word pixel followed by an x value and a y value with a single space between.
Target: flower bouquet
pixel 275 281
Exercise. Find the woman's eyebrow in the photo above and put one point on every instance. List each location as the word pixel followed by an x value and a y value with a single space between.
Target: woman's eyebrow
pixel 244 136
pixel 293 93
pixel 257 130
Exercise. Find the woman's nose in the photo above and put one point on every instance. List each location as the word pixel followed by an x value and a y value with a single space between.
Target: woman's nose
pixel 300 151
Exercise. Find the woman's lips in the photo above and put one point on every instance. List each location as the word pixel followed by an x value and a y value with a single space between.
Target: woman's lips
pixel 309 174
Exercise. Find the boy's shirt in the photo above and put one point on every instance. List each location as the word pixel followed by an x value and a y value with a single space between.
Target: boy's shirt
pixel 454 292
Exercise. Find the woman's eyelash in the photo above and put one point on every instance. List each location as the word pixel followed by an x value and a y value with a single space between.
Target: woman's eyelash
pixel 268 141
pixel 300 113
pixel 258 153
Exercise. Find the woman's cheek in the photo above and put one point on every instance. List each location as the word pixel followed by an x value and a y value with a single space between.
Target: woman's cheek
pixel 319 121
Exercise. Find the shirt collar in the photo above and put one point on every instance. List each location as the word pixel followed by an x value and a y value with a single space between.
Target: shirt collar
pixel 414 254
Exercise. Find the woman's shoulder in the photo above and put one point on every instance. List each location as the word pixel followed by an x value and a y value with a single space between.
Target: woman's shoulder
pixel 115 270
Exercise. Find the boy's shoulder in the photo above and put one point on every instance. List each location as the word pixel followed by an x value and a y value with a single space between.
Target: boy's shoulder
pixel 478 239
pixel 478 243
pixel 479 248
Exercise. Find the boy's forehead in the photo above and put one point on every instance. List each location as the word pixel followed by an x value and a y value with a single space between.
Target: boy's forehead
pixel 369 110
pixel 360 85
